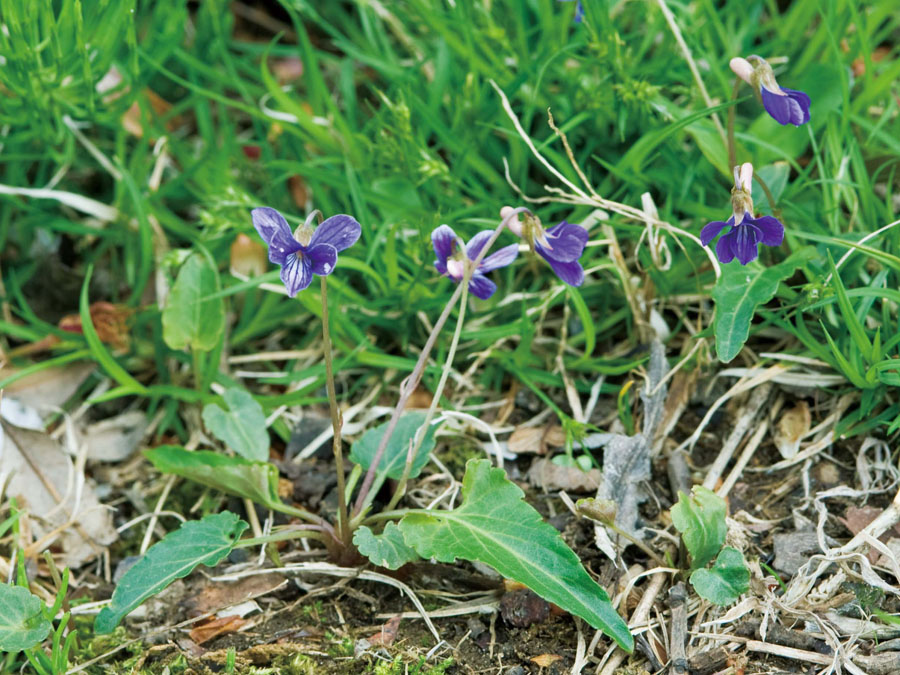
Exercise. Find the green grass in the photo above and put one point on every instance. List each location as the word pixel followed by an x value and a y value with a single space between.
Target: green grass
pixel 396 122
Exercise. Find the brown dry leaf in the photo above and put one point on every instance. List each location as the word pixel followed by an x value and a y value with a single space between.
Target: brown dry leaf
pixel 248 257
pixel 110 321
pixel 131 120
pixel 299 191
pixel 549 476
pixel 536 440
pixel 793 426
pixel 545 660
pixel 219 595
pixel 43 480
pixel 388 633
pixel 216 627
pixel 420 399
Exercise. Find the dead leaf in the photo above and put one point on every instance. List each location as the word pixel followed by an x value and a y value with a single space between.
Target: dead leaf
pixel 248 257
pixel 47 389
pixel 549 476
pixel 419 399
pixel 545 660
pixel 216 627
pixel 523 608
pixel 116 438
pixel 388 633
pixel 221 595
pixel 536 440
pixel 299 191
pixel 792 427
pixel 44 479
pixel 110 321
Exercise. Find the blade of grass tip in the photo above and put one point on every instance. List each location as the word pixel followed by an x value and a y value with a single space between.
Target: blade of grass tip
pixel 103 357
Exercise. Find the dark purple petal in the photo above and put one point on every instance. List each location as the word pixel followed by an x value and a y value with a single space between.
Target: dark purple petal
pixel 476 243
pixel 482 287
pixel 498 259
pixel 567 241
pixel 443 239
pixel 708 233
pixel 276 232
pixel 785 109
pixel 322 258
pixel 744 240
pixel 340 231
pixel 296 273
pixel 570 272
pixel 723 248
pixel 802 100
pixel 441 267
pixel 771 231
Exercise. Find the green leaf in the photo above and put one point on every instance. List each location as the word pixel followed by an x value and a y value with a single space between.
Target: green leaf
pixel 242 428
pixel 739 291
pixel 493 525
pixel 191 318
pixel 701 520
pixel 387 549
pixel 257 481
pixel 725 581
pixel 394 458
pixel 196 542
pixel 22 621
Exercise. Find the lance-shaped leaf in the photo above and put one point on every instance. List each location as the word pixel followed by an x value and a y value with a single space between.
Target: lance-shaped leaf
pixel 739 291
pixel 196 542
pixel 22 621
pixel 394 458
pixel 493 525
pixel 257 481
pixel 701 520
pixel 724 582
pixel 242 428
pixel 387 549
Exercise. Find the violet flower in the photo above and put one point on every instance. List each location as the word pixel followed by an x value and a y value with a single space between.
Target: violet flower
pixel 786 106
pixel 306 252
pixel 451 259
pixel 561 245
pixel 579 10
pixel 745 231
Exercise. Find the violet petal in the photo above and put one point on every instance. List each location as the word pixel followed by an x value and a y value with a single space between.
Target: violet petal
pixel 341 231
pixel 443 239
pixel 771 229
pixel 296 273
pixel 708 233
pixel 567 241
pixel 498 259
pixel 723 249
pixel 482 287
pixel 322 258
pixel 276 232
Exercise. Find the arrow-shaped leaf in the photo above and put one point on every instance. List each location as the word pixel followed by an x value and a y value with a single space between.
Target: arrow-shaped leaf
pixel 22 622
pixel 493 525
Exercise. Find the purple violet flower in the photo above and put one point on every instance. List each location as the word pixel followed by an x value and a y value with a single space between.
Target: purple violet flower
pixel 306 252
pixel 745 231
pixel 451 259
pixel 786 106
pixel 561 245
pixel 579 10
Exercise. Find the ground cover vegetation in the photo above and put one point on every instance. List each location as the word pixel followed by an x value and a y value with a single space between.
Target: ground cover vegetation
pixel 426 337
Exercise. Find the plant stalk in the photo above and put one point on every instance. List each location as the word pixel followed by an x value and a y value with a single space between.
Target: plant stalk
pixel 336 421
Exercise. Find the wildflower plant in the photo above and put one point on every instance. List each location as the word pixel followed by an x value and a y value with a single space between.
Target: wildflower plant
pixel 522 546
pixel 786 106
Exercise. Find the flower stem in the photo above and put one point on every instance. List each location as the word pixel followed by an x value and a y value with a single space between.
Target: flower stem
pixel 435 400
pixel 771 199
pixel 732 146
pixel 336 420
pixel 410 384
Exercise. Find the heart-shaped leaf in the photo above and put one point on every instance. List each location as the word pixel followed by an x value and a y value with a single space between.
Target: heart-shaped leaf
pixel 701 520
pixel 242 427
pixel 22 621
pixel 394 458
pixel 724 582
